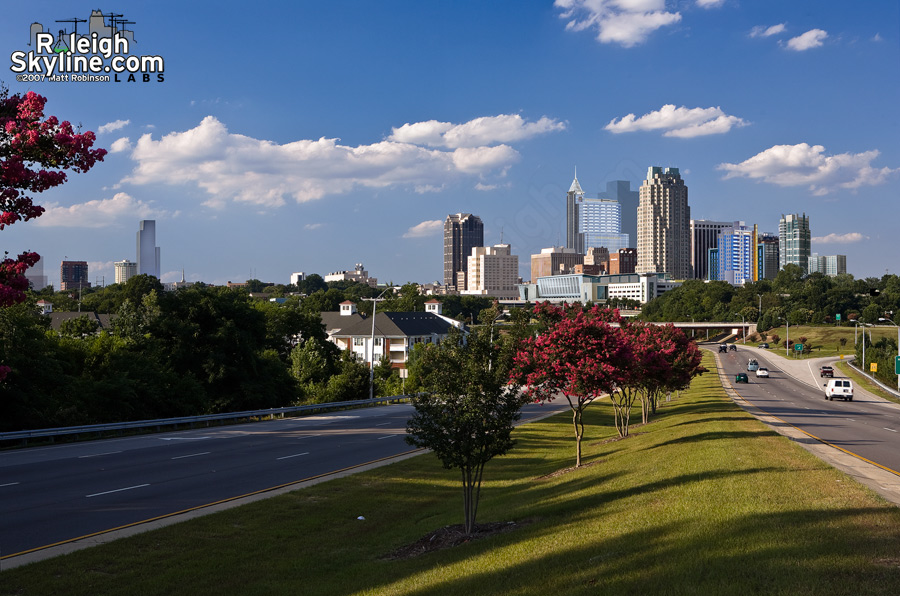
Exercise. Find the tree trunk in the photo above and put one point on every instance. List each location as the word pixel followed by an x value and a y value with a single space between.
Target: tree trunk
pixel 579 431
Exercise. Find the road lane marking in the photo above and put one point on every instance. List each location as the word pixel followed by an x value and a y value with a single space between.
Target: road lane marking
pixel 118 490
pixel 308 437
pixel 290 456
pixel 382 424
pixel 891 429
pixel 192 455
pixel 182 438
pixel 9 484
pixel 386 437
pixel 98 454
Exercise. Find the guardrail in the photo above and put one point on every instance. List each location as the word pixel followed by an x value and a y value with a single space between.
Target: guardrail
pixel 890 390
pixel 270 413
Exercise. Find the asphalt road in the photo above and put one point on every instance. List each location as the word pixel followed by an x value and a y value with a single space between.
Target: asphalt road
pixel 56 494
pixel 868 427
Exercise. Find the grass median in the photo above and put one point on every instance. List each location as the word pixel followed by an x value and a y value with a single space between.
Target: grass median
pixel 703 500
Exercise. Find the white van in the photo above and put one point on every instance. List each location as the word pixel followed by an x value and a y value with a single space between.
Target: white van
pixel 752 365
pixel 842 388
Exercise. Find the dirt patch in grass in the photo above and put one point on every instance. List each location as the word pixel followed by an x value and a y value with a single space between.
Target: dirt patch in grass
pixel 450 536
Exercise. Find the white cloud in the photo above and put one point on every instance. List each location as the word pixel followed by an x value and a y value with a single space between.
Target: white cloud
pixel 426 228
pixel 806 165
pixel 313 226
pixel 811 39
pixel 710 3
pixel 505 128
pixel 100 213
pixel 625 22
pixel 877 37
pixel 114 125
pixel 237 167
pixel 119 145
pixel 848 238
pixel 761 31
pixel 678 122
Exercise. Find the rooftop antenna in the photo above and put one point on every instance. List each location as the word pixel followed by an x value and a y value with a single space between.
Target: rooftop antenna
pixel 501 234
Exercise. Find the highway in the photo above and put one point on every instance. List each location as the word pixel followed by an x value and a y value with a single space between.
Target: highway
pixel 56 494
pixel 867 426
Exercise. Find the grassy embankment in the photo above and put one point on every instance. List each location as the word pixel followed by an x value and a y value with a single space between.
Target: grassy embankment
pixel 703 500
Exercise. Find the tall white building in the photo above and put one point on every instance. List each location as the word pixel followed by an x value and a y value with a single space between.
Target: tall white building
pixel 147 251
pixel 35 276
pixel 492 271
pixel 125 270
pixel 664 225
pixel 600 223
pixel 736 254
pixel 794 242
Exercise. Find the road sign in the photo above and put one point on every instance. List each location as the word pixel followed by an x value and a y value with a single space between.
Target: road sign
pixel 873 367
pixel 838 317
pixel 897 366
pixel 798 347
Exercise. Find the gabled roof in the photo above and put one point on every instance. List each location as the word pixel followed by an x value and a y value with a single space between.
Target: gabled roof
pixel 398 324
pixel 57 318
pixel 335 321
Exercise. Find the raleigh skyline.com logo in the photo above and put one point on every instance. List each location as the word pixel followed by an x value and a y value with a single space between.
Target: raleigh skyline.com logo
pixel 102 54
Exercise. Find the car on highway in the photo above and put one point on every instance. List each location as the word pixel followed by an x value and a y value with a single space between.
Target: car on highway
pixel 840 388
pixel 752 365
pixel 741 378
pixel 826 371
pixel 723 348
pixel 763 345
pixel 762 371
pixel 733 348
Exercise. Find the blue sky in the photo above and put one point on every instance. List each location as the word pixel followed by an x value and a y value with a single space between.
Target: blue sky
pixel 310 136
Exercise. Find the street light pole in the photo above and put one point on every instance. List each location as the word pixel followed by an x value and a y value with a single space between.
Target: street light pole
pixel 372 358
pixel 898 343
pixel 743 328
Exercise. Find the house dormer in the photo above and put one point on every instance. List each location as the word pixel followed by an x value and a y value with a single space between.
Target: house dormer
pixel 434 306
pixel 45 307
pixel 348 308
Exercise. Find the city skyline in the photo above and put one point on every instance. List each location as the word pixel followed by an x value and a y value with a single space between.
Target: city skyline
pixel 312 156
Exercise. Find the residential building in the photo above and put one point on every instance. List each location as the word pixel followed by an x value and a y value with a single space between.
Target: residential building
pixel 794 241
pixel 586 288
pixel 492 271
pixel 296 278
pixel 574 198
pixel 35 276
pixel 73 275
pixel 359 275
pixel 620 191
pixel 462 233
pixel 712 265
pixel 125 270
pixel 555 260
pixel 334 322
pixel 599 223
pixel 767 255
pixel 664 230
pixel 704 235
pixel 395 334
pixel 829 265
pixel 622 261
pixel 735 254
pixel 147 251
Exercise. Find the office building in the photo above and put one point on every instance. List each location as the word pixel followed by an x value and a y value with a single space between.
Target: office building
pixel 73 275
pixel 704 236
pixel 794 241
pixel 599 224
pixel 620 191
pixel 735 254
pixel 492 271
pixel 767 256
pixel 359 275
pixel 574 198
pixel 556 260
pixel 37 281
pixel 462 233
pixel 125 270
pixel 147 251
pixel 584 288
pixel 664 224
pixel 622 261
pixel 829 265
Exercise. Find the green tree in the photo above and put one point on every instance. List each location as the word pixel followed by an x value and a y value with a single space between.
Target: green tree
pixel 467 415
pixel 79 326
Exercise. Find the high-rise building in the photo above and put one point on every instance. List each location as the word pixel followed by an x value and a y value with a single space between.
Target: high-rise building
pixel 73 275
pixel 829 265
pixel 556 260
pixel 622 261
pixel 664 224
pixel 620 190
pixel 35 276
pixel 147 251
pixel 704 236
pixel 574 198
pixel 493 271
pixel 462 233
pixel 794 241
pixel 735 254
pixel 599 223
pixel 767 255
pixel 125 270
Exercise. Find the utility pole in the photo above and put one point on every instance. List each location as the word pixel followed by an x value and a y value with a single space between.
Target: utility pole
pixel 372 356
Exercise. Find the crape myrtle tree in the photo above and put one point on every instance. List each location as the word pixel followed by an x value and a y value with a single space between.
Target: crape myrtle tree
pixel 579 355
pixel 34 153
pixel 467 412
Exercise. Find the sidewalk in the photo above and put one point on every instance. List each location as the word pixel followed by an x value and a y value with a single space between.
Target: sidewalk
pixel 883 482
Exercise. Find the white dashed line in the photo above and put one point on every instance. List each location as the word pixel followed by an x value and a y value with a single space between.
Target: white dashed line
pixel 386 437
pixel 9 484
pixel 891 429
pixel 192 455
pixel 295 455
pixel 118 490
pixel 98 454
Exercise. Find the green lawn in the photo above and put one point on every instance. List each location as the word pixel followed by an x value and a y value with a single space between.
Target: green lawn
pixel 703 500
pixel 825 340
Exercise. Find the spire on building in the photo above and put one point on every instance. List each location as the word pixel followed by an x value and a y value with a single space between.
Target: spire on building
pixel 576 188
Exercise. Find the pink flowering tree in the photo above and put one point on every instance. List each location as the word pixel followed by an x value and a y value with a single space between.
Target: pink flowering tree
pixel 580 357
pixel 35 151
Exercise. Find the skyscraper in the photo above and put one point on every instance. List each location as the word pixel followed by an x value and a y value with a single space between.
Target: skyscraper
pixel 462 232
pixel 147 251
pixel 767 256
pixel 735 256
pixel 599 223
pixel 664 224
pixel 704 236
pixel 574 198
pixel 73 275
pixel 125 270
pixel 620 190
pixel 794 241
pixel 35 276
pixel 493 271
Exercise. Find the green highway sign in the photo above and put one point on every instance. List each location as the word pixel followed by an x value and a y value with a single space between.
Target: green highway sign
pixel 839 316
pixel 798 347
pixel 897 366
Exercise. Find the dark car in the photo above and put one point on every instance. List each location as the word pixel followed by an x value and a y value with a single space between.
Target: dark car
pixel 826 371
pixel 741 378
pixel 763 345
pixel 733 348
pixel 723 348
